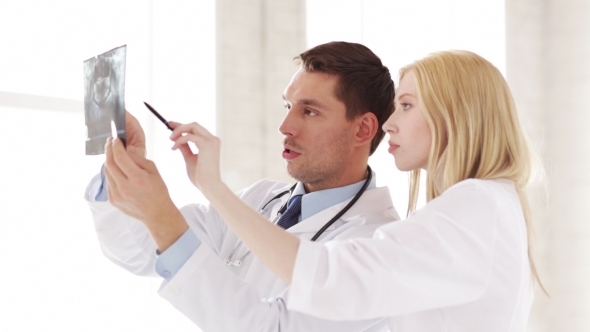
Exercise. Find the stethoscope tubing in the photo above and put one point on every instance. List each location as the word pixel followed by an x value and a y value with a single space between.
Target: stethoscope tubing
pixel 356 197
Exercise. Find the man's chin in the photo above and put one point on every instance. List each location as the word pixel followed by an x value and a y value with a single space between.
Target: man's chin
pixel 304 176
pixel 292 173
pixel 296 173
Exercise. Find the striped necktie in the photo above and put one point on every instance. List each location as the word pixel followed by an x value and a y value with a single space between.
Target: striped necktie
pixel 291 216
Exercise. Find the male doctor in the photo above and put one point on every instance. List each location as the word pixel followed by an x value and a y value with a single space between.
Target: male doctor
pixel 336 104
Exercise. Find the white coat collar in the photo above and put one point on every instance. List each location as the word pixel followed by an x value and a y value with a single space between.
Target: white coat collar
pixel 372 201
pixel 280 190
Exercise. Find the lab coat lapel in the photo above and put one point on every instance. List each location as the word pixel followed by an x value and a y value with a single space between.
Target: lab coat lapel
pixel 374 200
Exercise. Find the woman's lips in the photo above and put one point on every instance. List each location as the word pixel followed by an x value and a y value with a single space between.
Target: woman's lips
pixel 290 154
pixel 392 147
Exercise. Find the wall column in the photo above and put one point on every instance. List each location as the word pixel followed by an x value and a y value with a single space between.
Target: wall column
pixel 548 69
pixel 256 43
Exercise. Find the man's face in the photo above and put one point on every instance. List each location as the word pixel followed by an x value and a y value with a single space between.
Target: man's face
pixel 318 137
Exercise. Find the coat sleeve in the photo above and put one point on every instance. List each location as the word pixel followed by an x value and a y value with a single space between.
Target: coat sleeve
pixel 126 241
pixel 210 295
pixel 440 256
pixel 123 240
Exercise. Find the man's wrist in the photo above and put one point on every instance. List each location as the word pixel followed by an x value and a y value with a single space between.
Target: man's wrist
pixel 166 228
pixel 173 259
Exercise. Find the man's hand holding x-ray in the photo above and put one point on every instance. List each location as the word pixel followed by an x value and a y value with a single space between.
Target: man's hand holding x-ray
pixel 137 189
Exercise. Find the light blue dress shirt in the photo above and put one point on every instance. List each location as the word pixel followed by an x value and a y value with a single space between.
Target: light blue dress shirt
pixel 102 196
pixel 318 201
pixel 170 261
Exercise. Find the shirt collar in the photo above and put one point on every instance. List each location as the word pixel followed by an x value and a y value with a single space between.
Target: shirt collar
pixel 318 201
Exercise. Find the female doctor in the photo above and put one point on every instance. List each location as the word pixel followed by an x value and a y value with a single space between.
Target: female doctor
pixel 460 263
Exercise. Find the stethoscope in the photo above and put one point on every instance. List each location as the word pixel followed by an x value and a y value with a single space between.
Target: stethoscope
pixel 238 262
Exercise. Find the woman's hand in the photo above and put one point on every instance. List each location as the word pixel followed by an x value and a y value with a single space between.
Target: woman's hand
pixel 202 167
pixel 276 248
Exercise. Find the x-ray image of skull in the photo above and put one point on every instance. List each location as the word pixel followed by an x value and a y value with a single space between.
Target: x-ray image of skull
pixel 104 100
pixel 102 80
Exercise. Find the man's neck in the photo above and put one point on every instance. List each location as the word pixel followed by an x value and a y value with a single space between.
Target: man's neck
pixel 350 177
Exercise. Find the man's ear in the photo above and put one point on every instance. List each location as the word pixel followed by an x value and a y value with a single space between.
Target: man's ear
pixel 367 126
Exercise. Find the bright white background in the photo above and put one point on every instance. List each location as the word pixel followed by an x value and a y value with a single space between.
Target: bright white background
pixel 53 274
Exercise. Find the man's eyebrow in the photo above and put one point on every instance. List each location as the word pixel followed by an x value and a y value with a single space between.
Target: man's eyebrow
pixel 309 102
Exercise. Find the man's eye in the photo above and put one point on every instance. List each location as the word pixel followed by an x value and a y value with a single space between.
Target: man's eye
pixel 310 112
pixel 287 106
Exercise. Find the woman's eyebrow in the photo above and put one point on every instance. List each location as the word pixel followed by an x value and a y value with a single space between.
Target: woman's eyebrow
pixel 404 94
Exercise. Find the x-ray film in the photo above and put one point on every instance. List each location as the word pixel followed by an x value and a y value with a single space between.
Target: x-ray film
pixel 104 98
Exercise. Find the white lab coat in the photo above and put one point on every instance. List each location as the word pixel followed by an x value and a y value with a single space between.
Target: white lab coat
pixel 458 264
pixel 246 298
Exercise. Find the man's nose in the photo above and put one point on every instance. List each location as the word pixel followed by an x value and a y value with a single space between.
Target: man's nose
pixel 289 125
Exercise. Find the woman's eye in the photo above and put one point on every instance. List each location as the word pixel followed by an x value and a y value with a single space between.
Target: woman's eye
pixel 406 106
pixel 287 106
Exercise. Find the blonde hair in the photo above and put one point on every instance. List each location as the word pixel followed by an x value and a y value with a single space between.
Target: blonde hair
pixel 475 128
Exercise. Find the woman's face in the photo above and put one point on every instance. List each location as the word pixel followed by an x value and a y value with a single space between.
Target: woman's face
pixel 409 134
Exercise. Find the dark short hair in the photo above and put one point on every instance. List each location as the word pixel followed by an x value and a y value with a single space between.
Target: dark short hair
pixel 364 83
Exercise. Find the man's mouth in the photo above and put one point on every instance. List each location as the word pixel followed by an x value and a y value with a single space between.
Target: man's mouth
pixel 289 154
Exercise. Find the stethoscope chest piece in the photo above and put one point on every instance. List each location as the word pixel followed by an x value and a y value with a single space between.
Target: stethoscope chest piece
pixel 236 263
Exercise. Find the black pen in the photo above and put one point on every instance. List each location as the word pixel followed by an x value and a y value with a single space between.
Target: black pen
pixel 158 115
